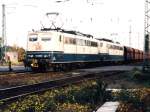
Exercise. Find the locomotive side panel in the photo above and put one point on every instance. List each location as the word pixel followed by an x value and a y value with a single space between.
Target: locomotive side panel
pixel 111 51
pixel 69 48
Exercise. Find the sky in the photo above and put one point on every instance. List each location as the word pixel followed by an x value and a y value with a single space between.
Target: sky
pixel 112 19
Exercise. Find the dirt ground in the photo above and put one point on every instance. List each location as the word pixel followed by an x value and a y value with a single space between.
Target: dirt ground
pixel 11 80
pixel 118 81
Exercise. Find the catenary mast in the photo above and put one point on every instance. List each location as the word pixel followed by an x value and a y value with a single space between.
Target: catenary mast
pixel 146 64
pixel 2 43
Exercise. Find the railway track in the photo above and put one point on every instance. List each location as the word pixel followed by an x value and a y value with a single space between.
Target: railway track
pixel 18 72
pixel 15 72
pixel 14 93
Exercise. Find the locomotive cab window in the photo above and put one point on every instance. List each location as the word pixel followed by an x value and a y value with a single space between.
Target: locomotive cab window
pixel 45 38
pixel 33 38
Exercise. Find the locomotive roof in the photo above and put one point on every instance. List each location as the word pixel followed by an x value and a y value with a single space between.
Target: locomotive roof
pixel 68 31
pixel 107 40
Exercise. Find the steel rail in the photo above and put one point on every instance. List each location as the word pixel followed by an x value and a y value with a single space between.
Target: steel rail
pixel 30 71
pixel 14 93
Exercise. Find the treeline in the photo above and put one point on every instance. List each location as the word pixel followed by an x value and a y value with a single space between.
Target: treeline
pixel 19 50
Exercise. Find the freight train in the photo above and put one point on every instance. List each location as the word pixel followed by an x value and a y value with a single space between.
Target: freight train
pixel 61 49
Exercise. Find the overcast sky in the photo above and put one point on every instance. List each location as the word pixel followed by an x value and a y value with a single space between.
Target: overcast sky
pixel 111 19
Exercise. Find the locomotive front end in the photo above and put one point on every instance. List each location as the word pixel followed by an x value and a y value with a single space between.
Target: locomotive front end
pixel 39 50
pixel 38 60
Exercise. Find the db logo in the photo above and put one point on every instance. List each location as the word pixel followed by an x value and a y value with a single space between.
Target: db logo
pixel 38 46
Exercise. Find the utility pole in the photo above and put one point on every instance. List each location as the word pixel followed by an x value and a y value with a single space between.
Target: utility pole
pixel 2 43
pixel 3 32
pixel 130 32
pixel 146 63
pixel 138 40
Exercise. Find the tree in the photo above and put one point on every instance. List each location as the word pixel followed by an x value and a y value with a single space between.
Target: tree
pixel 21 54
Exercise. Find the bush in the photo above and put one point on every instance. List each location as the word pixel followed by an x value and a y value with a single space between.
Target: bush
pixel 135 74
pixel 72 99
pixel 68 107
pixel 134 99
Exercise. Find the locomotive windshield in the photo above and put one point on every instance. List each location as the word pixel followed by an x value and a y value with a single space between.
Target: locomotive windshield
pixel 45 38
pixel 33 38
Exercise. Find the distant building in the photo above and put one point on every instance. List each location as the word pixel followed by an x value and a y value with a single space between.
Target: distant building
pixel 12 55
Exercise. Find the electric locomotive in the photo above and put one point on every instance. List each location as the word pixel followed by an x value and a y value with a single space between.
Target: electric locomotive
pixel 63 49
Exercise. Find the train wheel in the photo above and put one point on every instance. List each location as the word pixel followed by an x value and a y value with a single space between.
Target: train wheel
pixel 64 67
pixel 44 69
pixel 56 68
pixel 34 69
pixel 59 67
